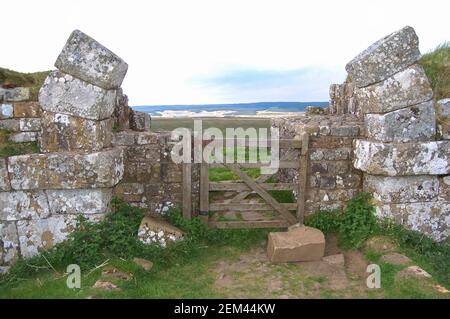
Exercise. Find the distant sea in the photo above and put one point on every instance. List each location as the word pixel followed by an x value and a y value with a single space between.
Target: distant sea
pixel 265 109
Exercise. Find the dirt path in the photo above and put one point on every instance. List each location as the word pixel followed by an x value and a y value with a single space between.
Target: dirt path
pixel 253 276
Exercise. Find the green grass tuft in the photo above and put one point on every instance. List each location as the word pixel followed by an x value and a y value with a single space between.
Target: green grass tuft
pixel 436 64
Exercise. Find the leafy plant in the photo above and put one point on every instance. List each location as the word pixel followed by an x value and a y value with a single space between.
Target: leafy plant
pixel 358 221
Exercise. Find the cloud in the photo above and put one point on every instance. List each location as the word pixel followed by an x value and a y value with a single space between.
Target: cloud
pixel 304 84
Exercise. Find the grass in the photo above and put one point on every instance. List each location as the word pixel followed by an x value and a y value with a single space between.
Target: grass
pixel 187 269
pixel 11 79
pixel 8 148
pixel 436 64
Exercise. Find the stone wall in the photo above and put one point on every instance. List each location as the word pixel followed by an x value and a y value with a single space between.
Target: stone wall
pixel 42 194
pixel 405 156
pixel 92 147
pixel 20 115
pixel 151 180
pixel 332 178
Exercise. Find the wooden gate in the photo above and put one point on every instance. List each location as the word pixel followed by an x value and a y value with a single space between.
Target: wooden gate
pixel 279 214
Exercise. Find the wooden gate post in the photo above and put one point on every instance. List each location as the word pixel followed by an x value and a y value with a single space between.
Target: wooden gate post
pixel 187 190
pixel 204 192
pixel 302 178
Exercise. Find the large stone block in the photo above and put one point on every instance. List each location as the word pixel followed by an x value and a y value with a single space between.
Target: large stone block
pixel 90 61
pixel 27 109
pixel 414 123
pixel 39 235
pixel 66 170
pixel 430 218
pixel 406 88
pixel 9 243
pixel 401 159
pixel 79 201
pixel 63 93
pixel 402 189
pixel 443 118
pixel 4 179
pixel 61 132
pixel 385 57
pixel 297 244
pixel 23 205
pixel 95 170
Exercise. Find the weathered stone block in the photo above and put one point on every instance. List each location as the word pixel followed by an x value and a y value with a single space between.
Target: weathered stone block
pixel 352 180
pixel 443 128
pixel 385 57
pixel 406 88
pixel 30 124
pixel 15 94
pixel 39 235
pixel 62 93
pixel 130 192
pixel 430 218
pixel 402 189
pixel 444 188
pixel 90 61
pixel 28 171
pixel 24 137
pixel 23 205
pixel 5 186
pixel 297 244
pixel 400 159
pixel 414 123
pixel 124 138
pixel 342 99
pixel 144 138
pixel 140 121
pixel 10 125
pixel 95 170
pixel 122 111
pixel 9 243
pixel 443 108
pixel 338 154
pixel 61 132
pixel 66 170
pixel 6 111
pixel 345 130
pixel 79 201
pixel 27 109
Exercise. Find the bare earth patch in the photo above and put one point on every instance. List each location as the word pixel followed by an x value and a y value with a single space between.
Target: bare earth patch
pixel 253 276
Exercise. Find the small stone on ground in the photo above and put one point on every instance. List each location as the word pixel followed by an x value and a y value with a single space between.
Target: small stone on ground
pixel 413 271
pixel 395 259
pixel 105 285
pixel 337 260
pixel 144 263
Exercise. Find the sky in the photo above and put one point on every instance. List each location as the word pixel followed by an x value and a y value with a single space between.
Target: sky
pixel 218 51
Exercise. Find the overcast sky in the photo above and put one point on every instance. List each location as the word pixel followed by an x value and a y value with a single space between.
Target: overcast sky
pixel 192 52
